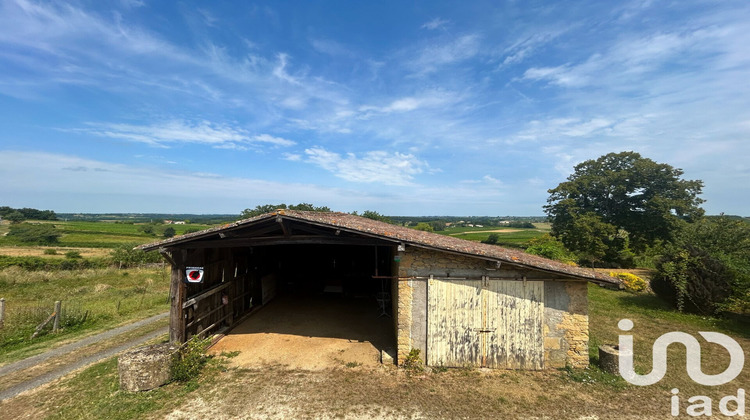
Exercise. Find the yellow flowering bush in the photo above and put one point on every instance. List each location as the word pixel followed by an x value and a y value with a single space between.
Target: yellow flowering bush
pixel 631 282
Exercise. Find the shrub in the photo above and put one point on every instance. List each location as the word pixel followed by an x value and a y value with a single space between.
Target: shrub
pixel 707 270
pixel 521 225
pixel 413 363
pixel 550 247
pixel 73 254
pixel 190 360
pixel 125 256
pixel 39 263
pixel 692 280
pixel 34 233
pixel 424 227
pixel 492 239
pixel 631 282
pixel 50 251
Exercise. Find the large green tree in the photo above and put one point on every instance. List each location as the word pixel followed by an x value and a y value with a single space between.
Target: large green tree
pixel 622 194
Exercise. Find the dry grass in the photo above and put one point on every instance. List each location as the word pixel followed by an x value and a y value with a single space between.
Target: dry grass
pixel 366 392
pixel 38 251
pixel 110 296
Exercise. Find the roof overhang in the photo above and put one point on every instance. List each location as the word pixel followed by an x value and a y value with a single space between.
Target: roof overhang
pixel 284 227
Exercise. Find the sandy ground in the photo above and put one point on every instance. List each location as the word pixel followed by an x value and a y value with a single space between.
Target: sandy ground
pixel 310 333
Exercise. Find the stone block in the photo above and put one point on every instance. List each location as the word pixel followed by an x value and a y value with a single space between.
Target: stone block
pixel 609 358
pixel 146 367
pixel 552 343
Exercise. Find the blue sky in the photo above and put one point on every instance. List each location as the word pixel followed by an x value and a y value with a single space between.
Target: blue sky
pixel 408 108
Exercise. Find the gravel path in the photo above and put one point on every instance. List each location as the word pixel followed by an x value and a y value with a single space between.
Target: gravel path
pixel 69 348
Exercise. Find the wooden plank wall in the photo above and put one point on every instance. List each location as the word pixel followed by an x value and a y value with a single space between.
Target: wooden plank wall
pixel 484 322
pixel 454 312
pixel 515 311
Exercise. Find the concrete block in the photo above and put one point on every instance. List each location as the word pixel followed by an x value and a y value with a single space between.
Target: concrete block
pixel 146 367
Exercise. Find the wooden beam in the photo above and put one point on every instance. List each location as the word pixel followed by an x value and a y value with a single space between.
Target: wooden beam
pixel 284 227
pixel 199 297
pixel 177 296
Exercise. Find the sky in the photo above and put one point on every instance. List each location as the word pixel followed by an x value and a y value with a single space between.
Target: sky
pixel 401 107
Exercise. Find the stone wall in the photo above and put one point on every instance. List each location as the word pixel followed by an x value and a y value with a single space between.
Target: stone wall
pixel 566 324
pixel 419 262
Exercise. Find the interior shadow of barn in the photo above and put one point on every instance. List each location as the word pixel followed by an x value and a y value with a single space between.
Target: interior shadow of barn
pixel 320 305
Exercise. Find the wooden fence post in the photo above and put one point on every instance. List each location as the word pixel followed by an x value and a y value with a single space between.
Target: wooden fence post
pixel 2 312
pixel 56 325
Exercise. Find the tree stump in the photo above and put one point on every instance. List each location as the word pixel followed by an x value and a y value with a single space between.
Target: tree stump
pixel 146 367
pixel 609 358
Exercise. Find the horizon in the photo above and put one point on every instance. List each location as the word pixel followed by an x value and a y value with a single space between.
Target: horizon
pixel 419 108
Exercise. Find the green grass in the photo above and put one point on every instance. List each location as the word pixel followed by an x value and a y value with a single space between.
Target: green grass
pixel 509 237
pixel 94 392
pixel 98 386
pixel 98 395
pixel 100 234
pixel 110 296
pixel 653 317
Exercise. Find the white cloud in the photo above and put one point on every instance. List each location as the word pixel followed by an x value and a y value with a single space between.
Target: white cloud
pixel 65 183
pixel 330 47
pixel 179 131
pixel 556 128
pixel 208 18
pixel 278 141
pixel 436 23
pixel 439 54
pixel 631 58
pixel 435 99
pixel 373 167
pixel 528 45
pixel 292 157
pixel 41 180
pixel 491 180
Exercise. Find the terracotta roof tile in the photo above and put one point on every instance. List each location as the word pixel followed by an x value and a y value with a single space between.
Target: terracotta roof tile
pixel 406 235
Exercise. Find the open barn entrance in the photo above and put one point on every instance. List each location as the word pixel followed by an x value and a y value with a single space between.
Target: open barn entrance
pixel 315 306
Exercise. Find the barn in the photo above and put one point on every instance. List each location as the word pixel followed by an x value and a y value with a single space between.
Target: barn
pixel 460 303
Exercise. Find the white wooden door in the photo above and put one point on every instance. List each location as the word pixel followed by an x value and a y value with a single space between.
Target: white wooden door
pixel 514 329
pixel 488 323
pixel 454 313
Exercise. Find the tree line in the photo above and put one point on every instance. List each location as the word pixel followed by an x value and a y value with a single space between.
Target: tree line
pixel 19 215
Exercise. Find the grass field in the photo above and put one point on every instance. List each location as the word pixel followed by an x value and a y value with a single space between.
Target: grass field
pixel 110 296
pixel 508 237
pixel 275 392
pixel 94 300
pixel 99 234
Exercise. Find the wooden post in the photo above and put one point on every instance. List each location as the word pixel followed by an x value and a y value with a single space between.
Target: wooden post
pixel 56 325
pixel 176 320
pixel 2 312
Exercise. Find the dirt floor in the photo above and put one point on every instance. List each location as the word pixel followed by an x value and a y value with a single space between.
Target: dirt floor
pixel 311 333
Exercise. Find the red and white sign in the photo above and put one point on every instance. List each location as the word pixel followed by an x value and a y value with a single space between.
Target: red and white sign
pixel 194 274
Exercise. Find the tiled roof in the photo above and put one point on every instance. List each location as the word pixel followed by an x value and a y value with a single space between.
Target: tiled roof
pixel 369 227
